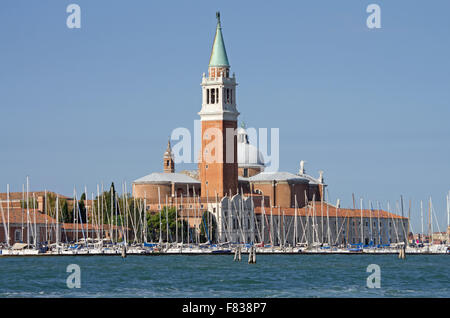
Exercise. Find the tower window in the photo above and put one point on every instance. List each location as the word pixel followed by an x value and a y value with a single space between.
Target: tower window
pixel 207 96
pixel 213 96
pixel 245 172
pixel 231 96
pixel 217 95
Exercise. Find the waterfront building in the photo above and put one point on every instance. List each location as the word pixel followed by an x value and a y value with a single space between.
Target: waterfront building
pixel 248 203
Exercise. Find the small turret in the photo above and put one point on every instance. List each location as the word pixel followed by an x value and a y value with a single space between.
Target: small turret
pixel 168 161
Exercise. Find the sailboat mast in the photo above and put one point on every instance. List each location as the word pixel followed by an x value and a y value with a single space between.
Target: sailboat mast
pixel 176 219
pixel 271 226
pixel 160 210
pixel 102 219
pixel 421 219
pixel 403 223
pixel 35 223
pixel 111 221
pixel 370 222
pixel 429 222
pixel 378 226
pixel 279 226
pixel 74 214
pixel 328 224
pixel 182 220
pixel 284 229
pixel 167 223
pixel 321 214
pixel 315 236
pixel 57 220
pixel 23 202
pixel 338 202
pixel 187 205
pixel 295 222
pixel 116 207
pixel 144 216
pixel 99 211
pixel 86 214
pixel 263 217
pixel 94 229
pixel 448 218
pixel 45 211
pixel 7 199
pixel 362 225
pixel 409 222
pixel 28 213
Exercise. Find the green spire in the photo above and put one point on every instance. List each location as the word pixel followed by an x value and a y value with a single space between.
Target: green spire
pixel 218 53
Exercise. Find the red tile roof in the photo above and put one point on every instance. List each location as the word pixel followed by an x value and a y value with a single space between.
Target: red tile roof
pixel 16 215
pixel 332 212
pixel 20 195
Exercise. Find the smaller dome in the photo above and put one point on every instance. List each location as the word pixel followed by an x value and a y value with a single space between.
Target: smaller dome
pixel 248 155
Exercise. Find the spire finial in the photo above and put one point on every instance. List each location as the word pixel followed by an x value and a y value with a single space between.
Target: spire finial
pixel 218 54
pixel 218 17
pixel 169 148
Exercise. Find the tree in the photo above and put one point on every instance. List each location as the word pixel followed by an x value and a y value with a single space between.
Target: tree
pixel 82 211
pixel 209 220
pixel 153 222
pixel 66 216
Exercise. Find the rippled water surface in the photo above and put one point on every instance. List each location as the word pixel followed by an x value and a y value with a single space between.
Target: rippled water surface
pixel 220 276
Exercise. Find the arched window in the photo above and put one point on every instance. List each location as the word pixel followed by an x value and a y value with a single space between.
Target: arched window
pixel 17 235
pixel 213 96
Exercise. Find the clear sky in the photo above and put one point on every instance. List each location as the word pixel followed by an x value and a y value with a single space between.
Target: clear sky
pixel 370 107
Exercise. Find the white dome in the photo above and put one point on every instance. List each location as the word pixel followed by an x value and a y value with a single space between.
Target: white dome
pixel 248 155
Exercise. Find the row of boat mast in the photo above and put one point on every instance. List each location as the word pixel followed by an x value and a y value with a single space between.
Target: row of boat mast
pixel 97 220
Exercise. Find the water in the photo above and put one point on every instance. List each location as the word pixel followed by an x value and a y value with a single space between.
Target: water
pixel 218 276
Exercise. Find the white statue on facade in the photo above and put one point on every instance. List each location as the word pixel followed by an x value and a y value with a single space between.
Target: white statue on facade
pixel 321 176
pixel 302 167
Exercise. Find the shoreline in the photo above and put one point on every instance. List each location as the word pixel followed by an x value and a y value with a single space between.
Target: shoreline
pixel 197 254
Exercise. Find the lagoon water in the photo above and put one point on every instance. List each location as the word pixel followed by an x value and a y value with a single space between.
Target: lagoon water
pixel 219 276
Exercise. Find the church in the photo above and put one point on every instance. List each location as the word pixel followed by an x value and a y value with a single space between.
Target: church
pixel 249 204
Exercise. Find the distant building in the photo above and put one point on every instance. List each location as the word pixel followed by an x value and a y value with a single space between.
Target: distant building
pixel 32 225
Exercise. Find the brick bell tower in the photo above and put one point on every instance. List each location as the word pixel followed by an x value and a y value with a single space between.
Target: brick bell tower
pixel 218 167
pixel 169 163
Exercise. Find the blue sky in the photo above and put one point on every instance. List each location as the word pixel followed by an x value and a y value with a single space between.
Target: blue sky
pixel 369 107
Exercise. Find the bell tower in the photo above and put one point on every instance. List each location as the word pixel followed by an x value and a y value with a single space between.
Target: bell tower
pixel 168 161
pixel 218 167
